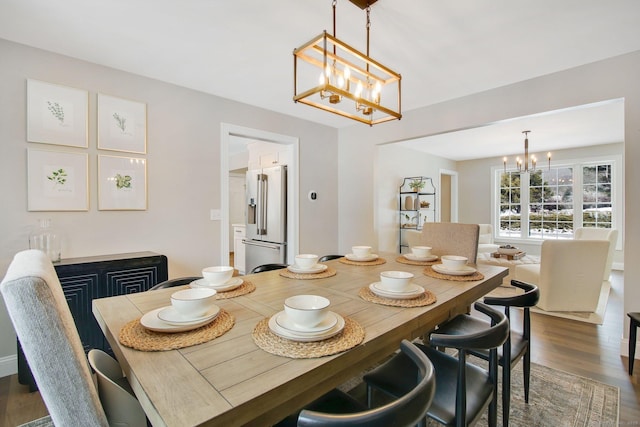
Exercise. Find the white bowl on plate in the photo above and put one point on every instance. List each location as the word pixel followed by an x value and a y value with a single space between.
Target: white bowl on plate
pixel 395 281
pixel 306 311
pixel 361 251
pixel 306 261
pixel 217 275
pixel 193 302
pixel 454 262
pixel 421 251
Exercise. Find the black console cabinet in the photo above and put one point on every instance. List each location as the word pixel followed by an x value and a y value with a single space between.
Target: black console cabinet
pixel 87 278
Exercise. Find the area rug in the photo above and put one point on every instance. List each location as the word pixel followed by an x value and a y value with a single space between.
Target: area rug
pixel 556 398
pixel 596 318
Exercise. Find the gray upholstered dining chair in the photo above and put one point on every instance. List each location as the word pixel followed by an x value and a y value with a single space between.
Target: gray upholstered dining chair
pixel 448 238
pixel 42 320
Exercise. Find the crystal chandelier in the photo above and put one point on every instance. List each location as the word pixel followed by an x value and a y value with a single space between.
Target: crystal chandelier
pixel 331 75
pixel 523 164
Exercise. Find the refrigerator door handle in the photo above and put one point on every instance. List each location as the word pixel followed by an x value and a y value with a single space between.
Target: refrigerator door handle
pixel 262 203
pixel 261 244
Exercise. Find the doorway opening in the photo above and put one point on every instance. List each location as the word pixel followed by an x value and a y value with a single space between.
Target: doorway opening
pixel 448 196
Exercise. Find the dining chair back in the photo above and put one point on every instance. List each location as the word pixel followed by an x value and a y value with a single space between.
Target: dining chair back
pixel 516 347
pixel 42 320
pixel 119 403
pixel 463 390
pixel 337 409
pixel 268 267
pixel 180 281
pixel 449 238
pixel 329 257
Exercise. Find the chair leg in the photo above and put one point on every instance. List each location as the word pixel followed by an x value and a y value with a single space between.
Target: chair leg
pixel 506 392
pixel 369 397
pixel 526 369
pixel 633 328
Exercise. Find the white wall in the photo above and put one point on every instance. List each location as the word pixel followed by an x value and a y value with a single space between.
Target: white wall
pixel 609 79
pixel 183 169
pixel 393 164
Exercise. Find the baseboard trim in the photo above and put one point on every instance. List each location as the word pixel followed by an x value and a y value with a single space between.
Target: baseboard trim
pixel 624 348
pixel 8 365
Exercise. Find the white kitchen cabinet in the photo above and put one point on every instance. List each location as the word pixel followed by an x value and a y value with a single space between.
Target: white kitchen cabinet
pixel 239 232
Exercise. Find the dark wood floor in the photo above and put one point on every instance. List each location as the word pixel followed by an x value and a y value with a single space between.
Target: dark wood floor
pixel 591 351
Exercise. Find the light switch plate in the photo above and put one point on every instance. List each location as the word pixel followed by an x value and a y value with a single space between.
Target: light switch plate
pixel 216 215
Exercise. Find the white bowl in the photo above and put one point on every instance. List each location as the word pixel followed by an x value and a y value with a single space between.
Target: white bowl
pixel 217 275
pixel 306 261
pixel 397 281
pixel 193 302
pixel 306 311
pixel 508 250
pixel 421 251
pixel 453 262
pixel 361 251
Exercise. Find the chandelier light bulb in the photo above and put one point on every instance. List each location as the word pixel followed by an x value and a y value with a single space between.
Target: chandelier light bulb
pixel 359 89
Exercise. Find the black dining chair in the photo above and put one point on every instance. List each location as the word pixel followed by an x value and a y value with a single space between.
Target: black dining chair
pixel 517 347
pixel 337 409
pixel 268 267
pixel 634 323
pixel 463 390
pixel 329 257
pixel 174 282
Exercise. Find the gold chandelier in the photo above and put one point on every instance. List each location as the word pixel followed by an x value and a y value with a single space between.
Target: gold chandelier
pixel 344 81
pixel 523 165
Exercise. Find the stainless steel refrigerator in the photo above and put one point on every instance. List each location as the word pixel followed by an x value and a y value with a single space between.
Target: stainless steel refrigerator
pixel 266 236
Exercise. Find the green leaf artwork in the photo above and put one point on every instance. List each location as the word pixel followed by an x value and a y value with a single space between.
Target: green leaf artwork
pixel 121 122
pixel 58 177
pixel 122 181
pixel 57 111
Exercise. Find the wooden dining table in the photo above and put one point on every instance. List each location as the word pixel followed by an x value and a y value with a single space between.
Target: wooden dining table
pixel 230 381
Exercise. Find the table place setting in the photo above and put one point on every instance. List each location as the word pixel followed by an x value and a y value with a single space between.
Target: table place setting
pixel 192 318
pixel 220 279
pixel 306 328
pixel 361 255
pixel 306 267
pixel 396 289
pixel 420 255
pixel 455 268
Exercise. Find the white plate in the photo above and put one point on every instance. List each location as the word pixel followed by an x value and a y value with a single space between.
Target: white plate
pixel 285 322
pixel 352 257
pixel 229 285
pixel 151 321
pixel 376 289
pixel 318 336
pixel 170 315
pixel 412 257
pixel 318 268
pixel 465 271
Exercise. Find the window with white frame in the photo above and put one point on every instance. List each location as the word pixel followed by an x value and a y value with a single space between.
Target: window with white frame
pixel 552 202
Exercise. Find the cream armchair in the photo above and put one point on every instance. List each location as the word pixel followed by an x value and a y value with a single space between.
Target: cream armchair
pixel 611 235
pixel 485 239
pixel 569 274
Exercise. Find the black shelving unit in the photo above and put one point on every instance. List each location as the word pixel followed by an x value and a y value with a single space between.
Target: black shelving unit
pixel 416 205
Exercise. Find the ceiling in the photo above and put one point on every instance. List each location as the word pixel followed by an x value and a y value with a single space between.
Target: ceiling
pixel 242 49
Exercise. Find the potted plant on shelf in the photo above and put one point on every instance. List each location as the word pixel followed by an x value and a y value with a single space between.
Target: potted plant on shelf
pixel 417 185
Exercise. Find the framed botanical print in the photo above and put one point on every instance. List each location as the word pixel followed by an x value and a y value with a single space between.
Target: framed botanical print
pixel 122 125
pixel 57 114
pixel 57 181
pixel 122 183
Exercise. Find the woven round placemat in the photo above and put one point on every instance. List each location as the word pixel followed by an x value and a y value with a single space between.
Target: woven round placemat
pixel 351 336
pixel 403 260
pixel 428 271
pixel 427 298
pixel 377 261
pixel 136 336
pixel 246 288
pixel 307 276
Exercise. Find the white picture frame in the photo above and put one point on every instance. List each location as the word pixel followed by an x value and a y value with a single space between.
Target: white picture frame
pixel 122 125
pixel 122 183
pixel 57 181
pixel 57 114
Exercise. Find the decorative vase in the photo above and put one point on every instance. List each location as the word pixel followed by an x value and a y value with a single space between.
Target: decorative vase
pixel 408 203
pixel 47 239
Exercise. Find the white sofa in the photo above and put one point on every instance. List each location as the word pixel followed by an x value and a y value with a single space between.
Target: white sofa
pixel 485 239
pixel 569 274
